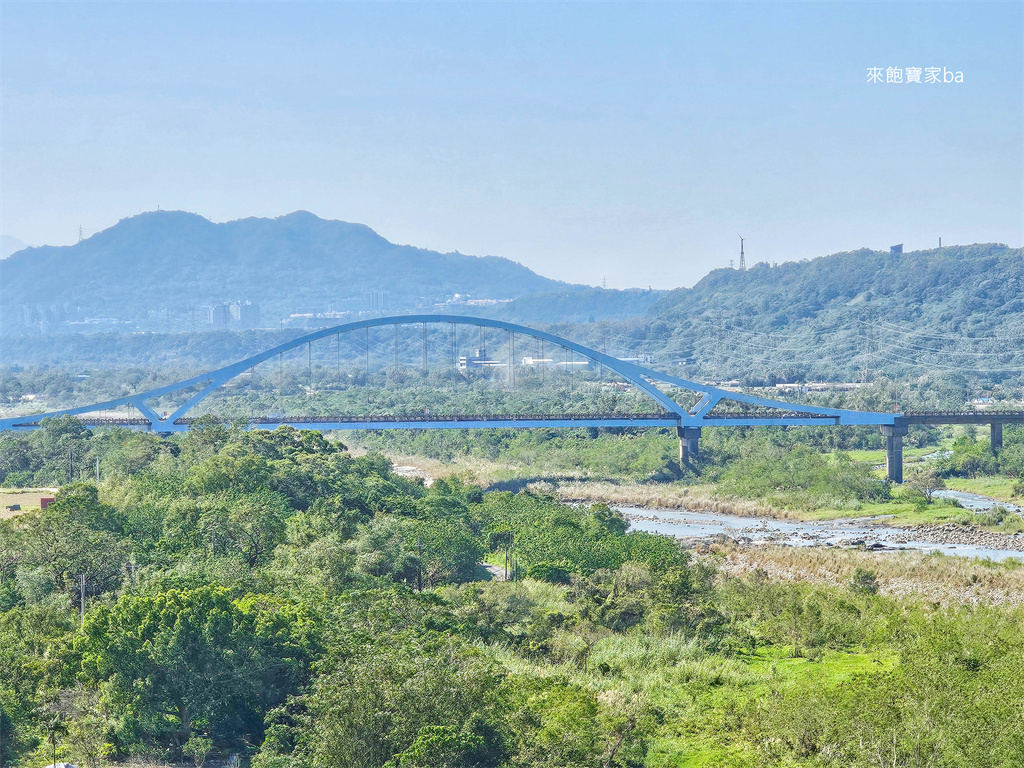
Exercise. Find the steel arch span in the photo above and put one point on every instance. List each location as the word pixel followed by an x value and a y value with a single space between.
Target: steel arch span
pixel 700 415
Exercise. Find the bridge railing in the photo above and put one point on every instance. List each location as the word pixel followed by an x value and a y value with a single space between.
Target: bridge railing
pixel 114 421
pixel 442 417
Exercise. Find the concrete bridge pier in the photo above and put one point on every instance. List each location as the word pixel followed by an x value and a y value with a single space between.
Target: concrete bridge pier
pixel 996 436
pixel 688 443
pixel 894 451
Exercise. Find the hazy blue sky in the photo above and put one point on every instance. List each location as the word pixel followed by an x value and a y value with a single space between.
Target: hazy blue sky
pixel 584 140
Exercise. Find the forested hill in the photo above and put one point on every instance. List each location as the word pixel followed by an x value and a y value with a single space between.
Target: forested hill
pixel 175 262
pixel 844 315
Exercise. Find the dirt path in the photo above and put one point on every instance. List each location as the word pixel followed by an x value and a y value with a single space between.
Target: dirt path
pixel 496 571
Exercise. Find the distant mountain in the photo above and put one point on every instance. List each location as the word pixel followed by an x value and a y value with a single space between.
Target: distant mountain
pixel 164 271
pixel 844 316
pixel 9 245
pixel 848 316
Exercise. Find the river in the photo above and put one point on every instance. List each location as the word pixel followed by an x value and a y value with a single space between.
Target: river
pixel 976 502
pixel 870 533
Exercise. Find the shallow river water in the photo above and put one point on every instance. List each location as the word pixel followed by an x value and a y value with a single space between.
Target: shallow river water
pixel 976 502
pixel 861 532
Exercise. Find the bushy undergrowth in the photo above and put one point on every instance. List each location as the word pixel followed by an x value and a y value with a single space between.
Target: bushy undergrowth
pixel 269 595
pixel 799 477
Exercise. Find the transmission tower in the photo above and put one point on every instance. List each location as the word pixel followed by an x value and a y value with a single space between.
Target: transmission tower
pixel 743 258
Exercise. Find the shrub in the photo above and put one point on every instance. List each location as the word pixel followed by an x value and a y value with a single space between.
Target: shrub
pixel 549 572
pixel 17 479
pixel 865 581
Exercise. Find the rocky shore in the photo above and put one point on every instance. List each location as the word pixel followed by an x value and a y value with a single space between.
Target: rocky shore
pixel 963 535
pixel 868 534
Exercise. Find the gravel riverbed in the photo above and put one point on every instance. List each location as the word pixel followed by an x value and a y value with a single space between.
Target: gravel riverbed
pixel 700 529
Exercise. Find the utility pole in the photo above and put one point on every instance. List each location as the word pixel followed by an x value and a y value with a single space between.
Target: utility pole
pixel 419 564
pixel 81 592
pixel 97 471
pixel 511 360
pixel 71 466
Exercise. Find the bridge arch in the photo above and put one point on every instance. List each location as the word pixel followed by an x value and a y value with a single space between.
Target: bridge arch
pixel 637 375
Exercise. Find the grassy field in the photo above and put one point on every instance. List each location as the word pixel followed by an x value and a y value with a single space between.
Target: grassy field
pixel 995 486
pixel 910 455
pixel 27 498
pixel 702 696
pixel 730 687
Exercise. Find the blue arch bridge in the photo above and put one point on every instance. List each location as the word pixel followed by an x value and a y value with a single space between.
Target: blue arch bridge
pixel 715 407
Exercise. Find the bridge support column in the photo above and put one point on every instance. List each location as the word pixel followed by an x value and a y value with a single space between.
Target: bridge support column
pixel 996 436
pixel 894 451
pixel 688 443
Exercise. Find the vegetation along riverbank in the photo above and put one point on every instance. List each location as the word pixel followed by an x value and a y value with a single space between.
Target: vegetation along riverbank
pixel 270 595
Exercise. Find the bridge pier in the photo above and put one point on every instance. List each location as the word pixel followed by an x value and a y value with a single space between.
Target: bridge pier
pixel 996 436
pixel 894 451
pixel 688 443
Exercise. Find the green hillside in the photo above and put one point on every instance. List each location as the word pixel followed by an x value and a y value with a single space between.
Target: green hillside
pixel 958 310
pixel 848 315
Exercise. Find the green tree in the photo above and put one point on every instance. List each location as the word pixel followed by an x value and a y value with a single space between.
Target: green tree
pixel 167 661
pixel 403 700
pixel 925 480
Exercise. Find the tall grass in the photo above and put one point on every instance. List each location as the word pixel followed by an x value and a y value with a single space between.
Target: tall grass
pixel 942 579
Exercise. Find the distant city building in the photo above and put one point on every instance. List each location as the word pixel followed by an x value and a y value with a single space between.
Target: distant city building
pixel 233 314
pixel 544 361
pixel 464 299
pixel 820 386
pixel 219 316
pixel 246 314
pixel 315 319
pixel 643 358
pixel 896 250
pixel 479 360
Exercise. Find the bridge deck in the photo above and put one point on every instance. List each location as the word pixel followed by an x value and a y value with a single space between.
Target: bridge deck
pixel 463 421
pixel 402 422
pixel 962 417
